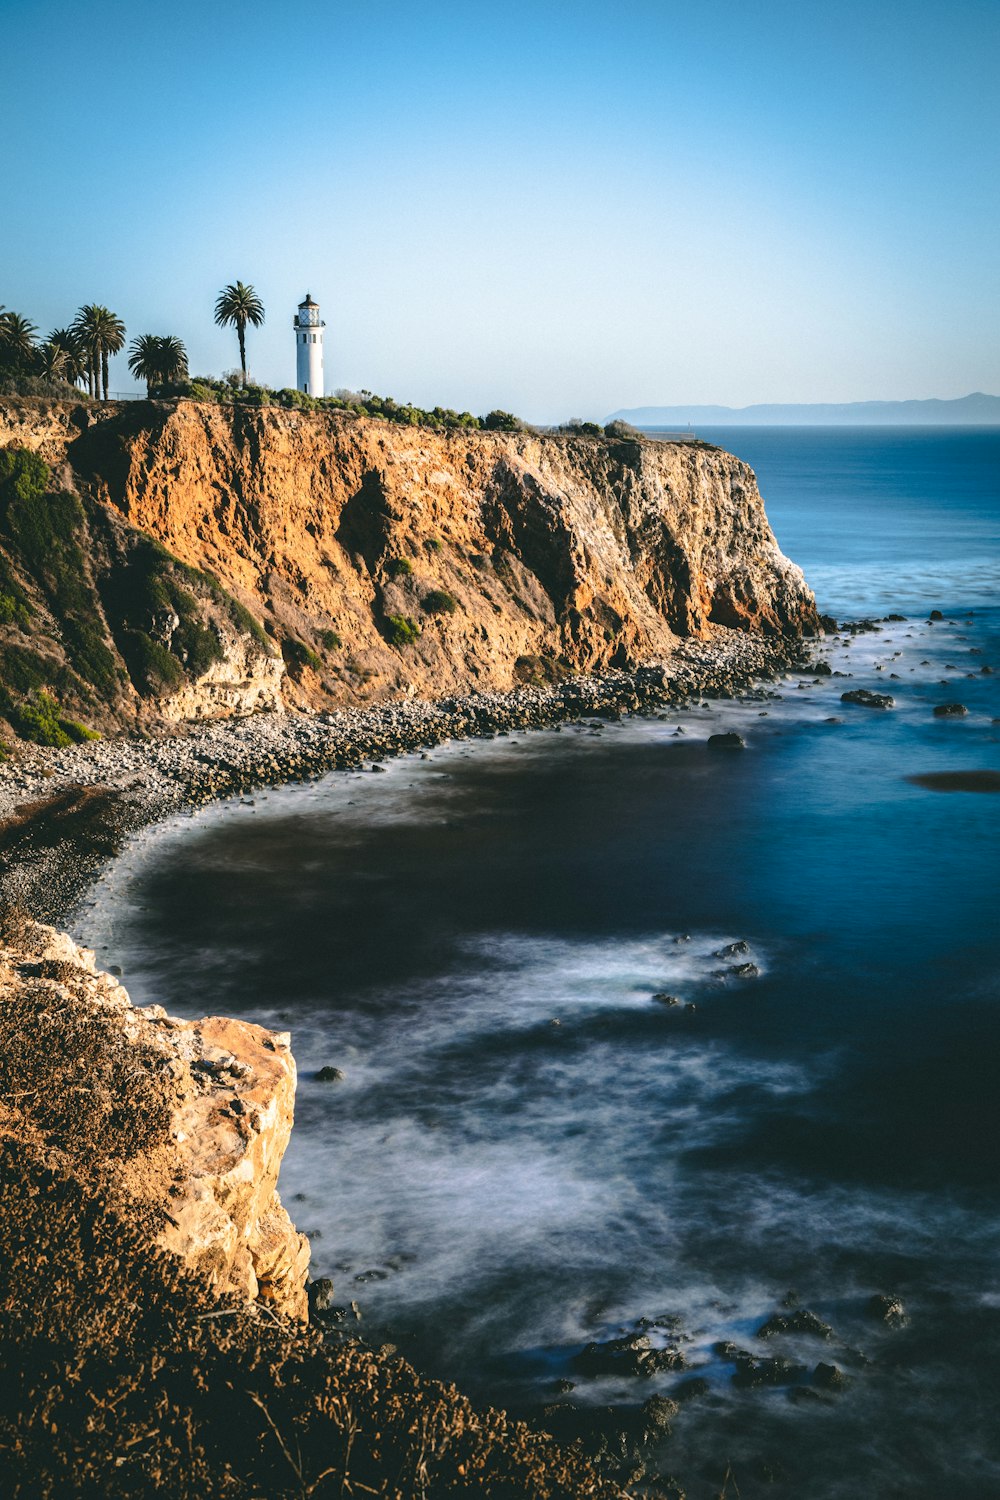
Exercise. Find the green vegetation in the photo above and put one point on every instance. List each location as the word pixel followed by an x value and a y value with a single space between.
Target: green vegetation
pixel 578 428
pixel 432 544
pixel 38 718
pixel 298 655
pixel 28 706
pixel 208 388
pixel 330 640
pixel 68 355
pixel 160 628
pixel 239 305
pixel 439 602
pixel 502 421
pixel 401 630
pixel 399 567
pixel 45 529
pixel 13 610
pixel 620 429
pixel 80 353
pixel 150 665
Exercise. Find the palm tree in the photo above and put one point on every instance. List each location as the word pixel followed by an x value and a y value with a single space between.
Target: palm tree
pixel 52 362
pixel 102 334
pixel 240 305
pixel 76 359
pixel 17 339
pixel 157 359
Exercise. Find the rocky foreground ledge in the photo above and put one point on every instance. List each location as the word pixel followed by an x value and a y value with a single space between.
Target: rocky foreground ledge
pixel 152 1287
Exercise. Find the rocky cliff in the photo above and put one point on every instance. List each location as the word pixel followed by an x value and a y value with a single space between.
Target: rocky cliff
pixel 186 1121
pixel 151 1288
pixel 384 560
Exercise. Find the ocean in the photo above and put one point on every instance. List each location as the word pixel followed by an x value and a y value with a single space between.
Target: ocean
pixel 533 1151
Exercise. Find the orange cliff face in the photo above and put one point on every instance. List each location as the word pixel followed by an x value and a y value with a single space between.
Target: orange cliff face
pixel 517 556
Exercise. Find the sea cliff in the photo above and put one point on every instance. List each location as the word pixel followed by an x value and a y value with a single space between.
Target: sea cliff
pixel 314 560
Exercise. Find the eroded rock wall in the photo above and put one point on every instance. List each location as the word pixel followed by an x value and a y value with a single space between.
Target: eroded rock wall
pixel 516 555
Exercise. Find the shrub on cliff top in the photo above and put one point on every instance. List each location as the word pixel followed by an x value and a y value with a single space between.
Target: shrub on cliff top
pixel 579 428
pixel 502 421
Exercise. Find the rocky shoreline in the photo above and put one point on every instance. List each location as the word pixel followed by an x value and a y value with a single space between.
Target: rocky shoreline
pixel 64 813
pixel 357 1416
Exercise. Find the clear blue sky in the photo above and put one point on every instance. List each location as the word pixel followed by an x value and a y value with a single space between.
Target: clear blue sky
pixel 558 208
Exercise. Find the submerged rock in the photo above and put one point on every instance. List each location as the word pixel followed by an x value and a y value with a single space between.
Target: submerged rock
pixel 801 1321
pixel 887 1309
pixel 692 1390
pixel 830 1377
pixel 634 1354
pixel 950 711
pixel 867 699
pixel 752 1371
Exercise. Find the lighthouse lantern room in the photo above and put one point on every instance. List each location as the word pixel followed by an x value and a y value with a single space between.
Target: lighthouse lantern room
pixel 309 327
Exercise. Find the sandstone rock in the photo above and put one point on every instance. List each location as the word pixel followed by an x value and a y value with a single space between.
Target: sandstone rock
pixel 561 554
pixel 224 1091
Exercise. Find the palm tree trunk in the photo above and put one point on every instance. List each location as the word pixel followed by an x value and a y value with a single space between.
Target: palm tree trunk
pixel 243 351
pixel 104 371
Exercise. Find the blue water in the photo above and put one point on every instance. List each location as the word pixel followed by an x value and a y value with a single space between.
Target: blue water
pixel 882 519
pixel 528 1151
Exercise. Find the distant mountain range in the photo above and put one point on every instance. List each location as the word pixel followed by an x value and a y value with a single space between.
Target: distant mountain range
pixel 977 410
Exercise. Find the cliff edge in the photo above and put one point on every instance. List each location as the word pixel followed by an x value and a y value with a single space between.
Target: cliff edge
pixel 320 560
pixel 187 1120
pixel 151 1287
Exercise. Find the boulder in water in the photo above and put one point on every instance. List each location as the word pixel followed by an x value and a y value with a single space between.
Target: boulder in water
pixel 867 699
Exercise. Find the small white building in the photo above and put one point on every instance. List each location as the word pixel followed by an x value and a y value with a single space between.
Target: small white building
pixel 309 327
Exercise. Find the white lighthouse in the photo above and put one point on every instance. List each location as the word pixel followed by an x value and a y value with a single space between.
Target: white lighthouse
pixel 309 327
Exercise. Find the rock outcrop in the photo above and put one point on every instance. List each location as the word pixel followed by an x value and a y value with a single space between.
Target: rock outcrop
pixel 386 561
pixel 144 1254
pixel 188 1120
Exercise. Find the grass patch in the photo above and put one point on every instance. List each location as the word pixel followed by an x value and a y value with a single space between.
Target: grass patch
pixel 298 655
pixel 38 718
pixel 399 567
pixel 150 665
pixel 401 630
pixel 330 640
